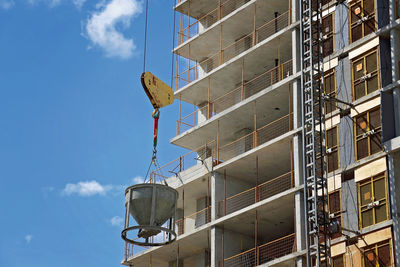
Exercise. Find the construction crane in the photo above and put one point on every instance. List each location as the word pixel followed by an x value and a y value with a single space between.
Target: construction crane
pixel 313 118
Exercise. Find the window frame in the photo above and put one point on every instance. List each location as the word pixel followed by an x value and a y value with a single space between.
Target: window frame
pixel 333 148
pixel 336 214
pixel 358 138
pixel 375 247
pixel 330 34
pixel 365 73
pixel 371 180
pixel 364 23
pixel 327 74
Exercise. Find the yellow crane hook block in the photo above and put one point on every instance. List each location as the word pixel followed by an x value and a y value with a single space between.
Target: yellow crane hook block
pixel 159 93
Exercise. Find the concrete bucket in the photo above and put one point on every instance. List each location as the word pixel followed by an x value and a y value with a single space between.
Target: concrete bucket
pixel 151 205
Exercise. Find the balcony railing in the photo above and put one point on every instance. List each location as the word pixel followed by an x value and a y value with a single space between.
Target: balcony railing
pixel 209 19
pixel 256 194
pixel 264 253
pixel 220 153
pixel 254 139
pixel 232 50
pixel 193 221
pixel 235 96
pixel 184 162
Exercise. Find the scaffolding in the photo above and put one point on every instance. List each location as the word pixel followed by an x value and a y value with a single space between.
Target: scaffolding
pixel 315 181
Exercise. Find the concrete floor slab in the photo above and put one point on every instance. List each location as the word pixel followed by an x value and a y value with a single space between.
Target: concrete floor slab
pixel 257 60
pixel 235 25
pixel 272 104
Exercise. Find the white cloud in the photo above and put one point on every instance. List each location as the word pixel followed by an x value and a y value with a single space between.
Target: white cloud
pixel 101 27
pixel 50 3
pixel 137 180
pixel 117 221
pixel 88 188
pixel 78 3
pixel 28 238
pixel 6 4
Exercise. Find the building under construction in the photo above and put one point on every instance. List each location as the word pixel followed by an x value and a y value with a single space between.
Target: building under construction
pixel 294 137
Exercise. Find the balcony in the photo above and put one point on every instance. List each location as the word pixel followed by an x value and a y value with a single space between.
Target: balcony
pixel 237 95
pixel 224 53
pixel 254 139
pixel 190 29
pixel 263 253
pixel 249 197
pixel 193 221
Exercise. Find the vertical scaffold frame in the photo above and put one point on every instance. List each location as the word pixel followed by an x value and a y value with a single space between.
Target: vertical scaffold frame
pixel 313 134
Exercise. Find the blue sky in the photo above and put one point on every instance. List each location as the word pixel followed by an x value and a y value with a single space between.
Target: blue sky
pixel 76 126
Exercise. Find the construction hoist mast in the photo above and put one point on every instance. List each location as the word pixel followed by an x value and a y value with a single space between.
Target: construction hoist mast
pixel 315 181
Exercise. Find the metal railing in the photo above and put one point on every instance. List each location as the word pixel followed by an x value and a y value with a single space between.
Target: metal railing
pixel 255 138
pixel 264 253
pixel 130 248
pixel 184 162
pixel 129 251
pixel 225 152
pixel 255 194
pixel 232 50
pixel 186 77
pixel 244 91
pixel 193 221
pixel 209 19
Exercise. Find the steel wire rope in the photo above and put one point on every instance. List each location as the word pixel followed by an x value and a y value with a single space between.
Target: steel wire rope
pixel 145 36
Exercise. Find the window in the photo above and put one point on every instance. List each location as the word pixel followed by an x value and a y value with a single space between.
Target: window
pixel 335 209
pixel 372 200
pixel 365 76
pixel 368 133
pixel 327 28
pixel 337 261
pixel 330 90
pixel 378 255
pixel 362 19
pixel 332 149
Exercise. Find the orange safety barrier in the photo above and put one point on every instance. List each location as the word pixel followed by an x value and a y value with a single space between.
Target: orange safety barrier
pixel 256 194
pixel 191 222
pixel 264 253
pixel 234 49
pixel 235 96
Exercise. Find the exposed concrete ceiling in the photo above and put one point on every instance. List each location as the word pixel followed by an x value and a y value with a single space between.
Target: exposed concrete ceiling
pixel 223 79
pixel 234 26
pixel 275 220
pixel 273 161
pixel 272 105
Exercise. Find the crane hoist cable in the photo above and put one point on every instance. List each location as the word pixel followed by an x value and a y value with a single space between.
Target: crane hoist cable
pixel 158 92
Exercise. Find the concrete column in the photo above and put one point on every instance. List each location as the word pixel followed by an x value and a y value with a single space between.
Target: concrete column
pixel 217 193
pixel 394 158
pixel 394 196
pixel 216 246
pixel 297 140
